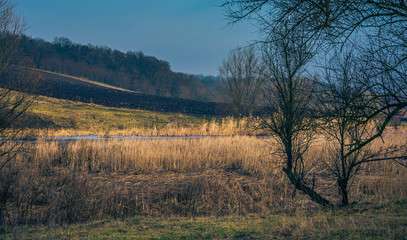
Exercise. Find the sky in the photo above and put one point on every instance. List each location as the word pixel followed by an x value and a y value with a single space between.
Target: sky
pixel 192 35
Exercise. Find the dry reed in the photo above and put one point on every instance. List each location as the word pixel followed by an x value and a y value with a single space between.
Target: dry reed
pixel 60 182
pixel 224 127
pixel 157 155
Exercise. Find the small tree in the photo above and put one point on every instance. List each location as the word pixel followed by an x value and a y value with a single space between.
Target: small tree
pixel 348 105
pixel 11 105
pixel 241 80
pixel 345 103
pixel 289 107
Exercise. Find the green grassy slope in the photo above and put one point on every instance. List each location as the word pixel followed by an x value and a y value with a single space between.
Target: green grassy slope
pixel 55 114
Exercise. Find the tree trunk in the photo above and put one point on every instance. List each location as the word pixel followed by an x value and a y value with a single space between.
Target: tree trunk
pixel 343 190
pixel 299 184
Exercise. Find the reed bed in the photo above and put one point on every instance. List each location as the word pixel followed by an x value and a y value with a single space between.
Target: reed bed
pixel 216 127
pixel 157 155
pixel 58 182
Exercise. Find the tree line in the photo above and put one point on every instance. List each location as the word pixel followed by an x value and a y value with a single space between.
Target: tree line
pixel 131 70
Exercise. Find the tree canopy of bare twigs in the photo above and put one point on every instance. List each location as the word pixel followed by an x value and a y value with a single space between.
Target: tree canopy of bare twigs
pixel 377 28
pixel 362 86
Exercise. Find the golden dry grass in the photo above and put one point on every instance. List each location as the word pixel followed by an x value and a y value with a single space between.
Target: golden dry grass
pixel 246 155
pixel 156 155
pixel 181 126
pixel 83 180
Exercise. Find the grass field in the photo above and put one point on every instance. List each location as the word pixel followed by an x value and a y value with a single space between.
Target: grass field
pixel 66 114
pixel 58 117
pixel 166 182
pixel 361 221
pixel 57 114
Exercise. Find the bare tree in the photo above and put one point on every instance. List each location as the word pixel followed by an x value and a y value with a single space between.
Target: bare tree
pixel 12 104
pixel 348 105
pixel 289 106
pixel 11 28
pixel 345 104
pixel 376 30
pixel 241 80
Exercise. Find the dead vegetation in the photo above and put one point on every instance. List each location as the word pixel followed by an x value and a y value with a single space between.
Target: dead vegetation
pixel 66 182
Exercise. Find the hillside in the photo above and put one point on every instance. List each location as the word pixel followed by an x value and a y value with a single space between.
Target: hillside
pixel 52 117
pixel 132 70
pixel 83 90
pixel 70 117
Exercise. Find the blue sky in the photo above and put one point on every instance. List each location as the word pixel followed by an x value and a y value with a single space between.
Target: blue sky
pixel 193 35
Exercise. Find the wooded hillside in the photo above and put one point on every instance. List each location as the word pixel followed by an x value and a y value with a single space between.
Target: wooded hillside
pixel 132 70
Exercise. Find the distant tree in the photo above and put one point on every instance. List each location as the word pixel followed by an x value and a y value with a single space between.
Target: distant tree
pixel 11 28
pixel 240 74
pixel 63 42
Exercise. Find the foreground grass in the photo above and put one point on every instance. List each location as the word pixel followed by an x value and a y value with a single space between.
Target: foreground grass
pixel 366 221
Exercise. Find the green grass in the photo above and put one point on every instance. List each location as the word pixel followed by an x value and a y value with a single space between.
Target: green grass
pixel 55 113
pixel 367 221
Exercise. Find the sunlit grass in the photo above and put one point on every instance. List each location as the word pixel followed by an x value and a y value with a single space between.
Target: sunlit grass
pixel 65 114
pixel 57 117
